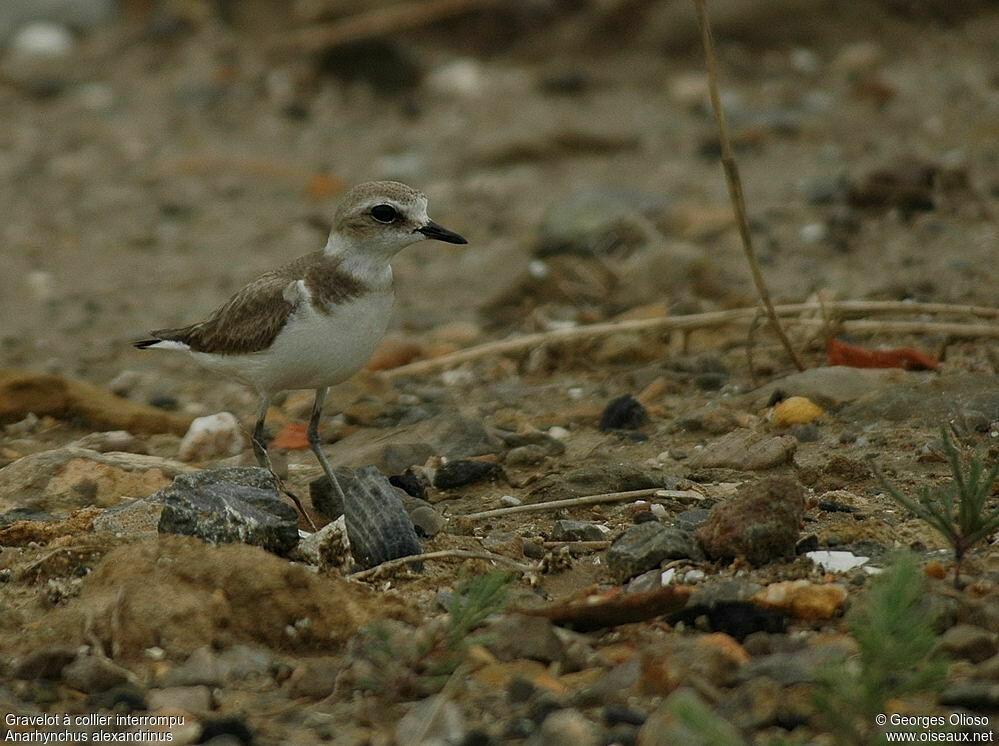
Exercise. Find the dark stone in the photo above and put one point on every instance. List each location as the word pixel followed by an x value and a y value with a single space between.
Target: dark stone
pixel 91 674
pixel 738 619
pixel 968 642
pixel 566 530
pixel 235 504
pixel 123 698
pixel 45 663
pixel 384 64
pixel 831 506
pixel 520 689
pixel 411 483
pixel 232 725
pixel 459 473
pixel 624 413
pixel 378 526
pixel 614 713
pixel 517 636
pixel 644 546
pixel 807 544
pixel 975 695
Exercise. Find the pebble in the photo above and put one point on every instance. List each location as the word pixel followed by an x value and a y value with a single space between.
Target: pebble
pixel 234 504
pixel 689 520
pixel 968 642
pixel 760 523
pixel 745 450
pixel 568 530
pixel 42 39
pixel 624 413
pixel 213 436
pixel 314 678
pixel 112 440
pixel 518 636
pixel 195 699
pixel 836 561
pixel 803 599
pixel 566 727
pixel 644 546
pixel 433 721
pixel 509 501
pixel 326 548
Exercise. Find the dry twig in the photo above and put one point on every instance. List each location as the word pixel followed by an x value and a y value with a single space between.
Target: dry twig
pixel 442 554
pixel 735 183
pixel 607 497
pixel 723 318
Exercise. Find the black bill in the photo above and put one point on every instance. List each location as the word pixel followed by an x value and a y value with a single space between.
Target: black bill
pixel 439 232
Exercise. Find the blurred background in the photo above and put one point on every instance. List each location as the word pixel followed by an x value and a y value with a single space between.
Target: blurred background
pixel 155 155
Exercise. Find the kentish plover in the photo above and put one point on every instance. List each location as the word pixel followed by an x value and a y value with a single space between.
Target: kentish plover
pixel 315 321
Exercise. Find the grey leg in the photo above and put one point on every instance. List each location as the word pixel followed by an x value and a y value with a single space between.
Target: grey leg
pixel 316 443
pixel 259 449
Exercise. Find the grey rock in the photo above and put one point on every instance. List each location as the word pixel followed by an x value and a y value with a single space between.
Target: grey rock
pixel 830 387
pixel 314 678
pixel 194 699
pixel 234 504
pixel 644 546
pixel 689 520
pixel 530 455
pixel 518 636
pixel 752 705
pixel 567 530
pixel 427 521
pixel 927 397
pixel 92 674
pixel 217 668
pixel 668 725
pixel 24 514
pixel 745 450
pixel 968 642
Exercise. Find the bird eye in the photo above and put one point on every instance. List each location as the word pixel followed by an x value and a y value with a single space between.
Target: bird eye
pixel 384 213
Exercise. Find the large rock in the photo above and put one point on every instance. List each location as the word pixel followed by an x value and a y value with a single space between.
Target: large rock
pixel 235 504
pixel 644 546
pixel 69 478
pixel 760 523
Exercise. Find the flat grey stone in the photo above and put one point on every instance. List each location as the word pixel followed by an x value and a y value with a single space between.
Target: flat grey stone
pixel 644 546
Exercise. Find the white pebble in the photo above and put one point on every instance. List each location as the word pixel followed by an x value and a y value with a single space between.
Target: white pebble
pixel 213 436
pixel 559 433
pixel 462 77
pixel 813 232
pixel 42 39
pixel 509 501
pixel 659 511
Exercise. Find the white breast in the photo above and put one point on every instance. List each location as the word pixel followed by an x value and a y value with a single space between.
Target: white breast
pixel 314 349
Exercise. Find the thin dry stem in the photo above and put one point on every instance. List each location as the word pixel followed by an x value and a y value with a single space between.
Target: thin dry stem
pixel 722 318
pixel 442 554
pixel 735 183
pixel 607 497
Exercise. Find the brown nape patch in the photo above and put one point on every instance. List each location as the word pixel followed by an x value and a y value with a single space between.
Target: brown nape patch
pixel 178 593
pixel 253 317
pixel 329 284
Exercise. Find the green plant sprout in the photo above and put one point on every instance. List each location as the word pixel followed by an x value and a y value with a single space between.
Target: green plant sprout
pixel 895 637
pixel 958 509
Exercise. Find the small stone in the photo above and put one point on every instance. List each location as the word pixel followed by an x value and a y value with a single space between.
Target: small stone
pixel 213 436
pixel 131 518
pixel 509 501
pixel 624 413
pixel 458 473
pixel 836 561
pixel 760 523
pixel 745 450
pixel 93 674
pixel 196 699
pixel 567 530
pixel 802 599
pixel 528 455
pixel 328 547
pixel 235 504
pixel 668 725
pixel 968 642
pixel 517 636
pixel 427 521
pixel 644 546
pixel 690 520
pixel 568 728
pixel 42 39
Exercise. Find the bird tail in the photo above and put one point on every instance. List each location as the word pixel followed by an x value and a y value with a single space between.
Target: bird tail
pixel 143 344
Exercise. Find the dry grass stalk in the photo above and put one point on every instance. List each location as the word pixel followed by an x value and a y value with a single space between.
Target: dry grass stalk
pixel 571 502
pixel 735 183
pixel 442 554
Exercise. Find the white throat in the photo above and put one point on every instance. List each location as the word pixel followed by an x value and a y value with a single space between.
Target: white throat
pixel 370 267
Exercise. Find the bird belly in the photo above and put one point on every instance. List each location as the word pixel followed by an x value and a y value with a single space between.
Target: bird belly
pixel 314 349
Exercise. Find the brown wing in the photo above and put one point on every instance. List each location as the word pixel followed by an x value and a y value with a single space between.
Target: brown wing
pixel 247 322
